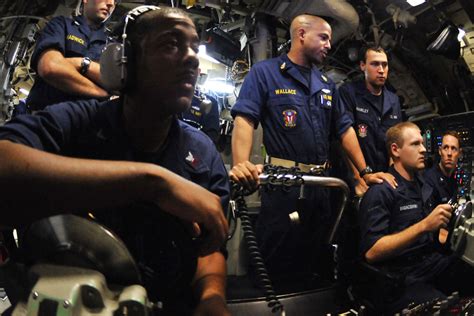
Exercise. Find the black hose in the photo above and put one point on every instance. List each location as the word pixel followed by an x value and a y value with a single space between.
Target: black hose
pixel 254 251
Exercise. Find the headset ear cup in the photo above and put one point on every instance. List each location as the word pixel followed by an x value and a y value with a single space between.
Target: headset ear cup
pixel 115 58
pixel 113 71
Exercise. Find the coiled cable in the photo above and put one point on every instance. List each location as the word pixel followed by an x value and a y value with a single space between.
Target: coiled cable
pixel 254 251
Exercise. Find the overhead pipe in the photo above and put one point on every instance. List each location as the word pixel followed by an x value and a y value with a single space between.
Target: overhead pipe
pixel 346 19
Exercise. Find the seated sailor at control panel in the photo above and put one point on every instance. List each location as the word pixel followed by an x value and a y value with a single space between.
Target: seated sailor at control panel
pixel 398 229
pixel 129 159
pixel 440 177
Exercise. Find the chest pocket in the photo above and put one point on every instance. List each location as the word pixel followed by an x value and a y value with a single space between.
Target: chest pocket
pixel 76 45
pixel 324 99
pixel 198 174
pixel 95 49
pixel 321 113
pixel 406 213
pixel 287 112
pixel 390 119
pixel 362 114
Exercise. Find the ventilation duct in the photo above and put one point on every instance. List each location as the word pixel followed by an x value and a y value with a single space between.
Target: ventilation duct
pixel 445 42
pixel 346 19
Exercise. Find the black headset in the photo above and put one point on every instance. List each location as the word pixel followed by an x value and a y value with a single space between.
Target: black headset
pixel 114 57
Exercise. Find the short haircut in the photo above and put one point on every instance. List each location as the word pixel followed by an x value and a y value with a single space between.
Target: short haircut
pixel 395 134
pixel 80 7
pixel 363 51
pixel 147 23
pixel 293 28
pixel 454 134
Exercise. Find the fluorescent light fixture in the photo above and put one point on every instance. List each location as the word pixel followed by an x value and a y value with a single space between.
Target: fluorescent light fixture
pixel 218 86
pixel 461 34
pixel 203 54
pixel 24 91
pixel 414 3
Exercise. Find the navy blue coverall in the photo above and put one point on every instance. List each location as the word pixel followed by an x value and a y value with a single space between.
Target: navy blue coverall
pixel 370 116
pixel 427 271
pixel 208 122
pixel 369 121
pixel 298 119
pixel 444 188
pixel 73 38
pixel 158 241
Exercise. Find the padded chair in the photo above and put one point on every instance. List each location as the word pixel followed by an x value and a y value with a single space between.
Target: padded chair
pixel 369 284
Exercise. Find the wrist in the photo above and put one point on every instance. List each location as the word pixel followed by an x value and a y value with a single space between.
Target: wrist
pixel 355 175
pixel 422 227
pixel 214 295
pixel 85 64
pixel 102 93
pixel 366 171
pixel 210 286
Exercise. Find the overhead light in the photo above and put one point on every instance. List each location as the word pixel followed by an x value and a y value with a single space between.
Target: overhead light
pixel 203 54
pixel 461 34
pixel 218 86
pixel 414 3
pixel 24 91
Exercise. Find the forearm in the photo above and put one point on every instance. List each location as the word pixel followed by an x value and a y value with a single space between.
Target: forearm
pixel 354 170
pixel 93 73
pixel 68 80
pixel 210 278
pixel 63 75
pixel 35 184
pixel 351 146
pixel 242 139
pixel 389 245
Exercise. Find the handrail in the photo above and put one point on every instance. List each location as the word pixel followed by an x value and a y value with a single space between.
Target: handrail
pixel 328 182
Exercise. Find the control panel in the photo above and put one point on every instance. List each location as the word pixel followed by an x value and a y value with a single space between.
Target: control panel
pixel 452 305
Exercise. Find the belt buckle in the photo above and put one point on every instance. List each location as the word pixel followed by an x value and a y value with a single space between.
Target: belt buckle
pixel 317 169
